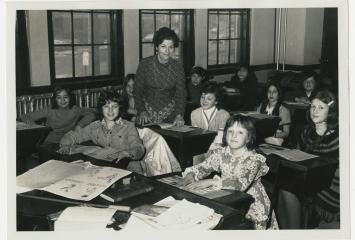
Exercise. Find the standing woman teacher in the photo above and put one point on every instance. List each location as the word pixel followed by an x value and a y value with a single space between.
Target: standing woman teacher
pixel 160 93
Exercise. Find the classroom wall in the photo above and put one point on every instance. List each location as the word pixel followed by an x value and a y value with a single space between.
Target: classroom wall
pixel 303 36
pixel 303 41
pixel 37 35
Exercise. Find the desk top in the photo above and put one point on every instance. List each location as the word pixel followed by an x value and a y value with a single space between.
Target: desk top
pixel 40 203
pixel 198 132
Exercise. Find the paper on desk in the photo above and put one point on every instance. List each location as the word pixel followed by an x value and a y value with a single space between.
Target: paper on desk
pixel 24 126
pixel 184 214
pixel 294 155
pixel 84 218
pixel 81 180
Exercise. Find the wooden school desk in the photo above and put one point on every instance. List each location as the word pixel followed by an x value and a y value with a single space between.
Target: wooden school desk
pixel 303 178
pixel 185 145
pixel 27 138
pixel 35 207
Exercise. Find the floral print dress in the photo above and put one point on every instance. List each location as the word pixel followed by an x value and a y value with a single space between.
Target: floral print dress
pixel 241 173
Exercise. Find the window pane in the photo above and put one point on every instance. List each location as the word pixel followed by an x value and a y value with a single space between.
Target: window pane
pixel 235 26
pixel 177 24
pixel 147 50
pixel 102 30
pixel 212 52
pixel 82 28
pixel 61 27
pixel 213 23
pixel 223 52
pixel 235 51
pixel 223 26
pixel 147 27
pixel 162 21
pixel 102 61
pixel 83 63
pixel 63 62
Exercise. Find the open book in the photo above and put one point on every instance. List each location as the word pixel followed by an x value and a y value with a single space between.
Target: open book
pixel 294 155
pixel 78 180
pixel 211 192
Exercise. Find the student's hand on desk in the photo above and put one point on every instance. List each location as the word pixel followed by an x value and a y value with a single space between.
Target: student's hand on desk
pixel 179 121
pixel 119 155
pixel 188 179
pixel 205 183
pixel 65 149
pixel 143 118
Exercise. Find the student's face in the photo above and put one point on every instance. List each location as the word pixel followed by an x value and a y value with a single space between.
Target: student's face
pixel 309 84
pixel 272 94
pixel 237 136
pixel 242 74
pixel 165 51
pixel 110 111
pixel 195 79
pixel 208 100
pixel 130 87
pixel 62 99
pixel 319 111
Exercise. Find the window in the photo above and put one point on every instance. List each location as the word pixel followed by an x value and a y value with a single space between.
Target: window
pixel 181 21
pixel 228 37
pixel 85 45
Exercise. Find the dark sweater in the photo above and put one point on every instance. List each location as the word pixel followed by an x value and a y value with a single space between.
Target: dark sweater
pixel 327 201
pixel 159 84
pixel 61 120
pixel 248 91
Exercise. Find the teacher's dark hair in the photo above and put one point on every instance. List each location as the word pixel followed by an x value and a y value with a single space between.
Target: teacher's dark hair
pixel 165 33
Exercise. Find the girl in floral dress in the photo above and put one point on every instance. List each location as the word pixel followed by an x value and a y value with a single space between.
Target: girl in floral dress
pixel 241 168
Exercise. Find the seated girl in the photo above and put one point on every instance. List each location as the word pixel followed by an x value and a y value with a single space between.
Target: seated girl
pixel 158 158
pixel 112 131
pixel 127 96
pixel 309 85
pixel 273 106
pixel 241 168
pixel 194 86
pixel 322 138
pixel 246 82
pixel 61 117
pixel 209 116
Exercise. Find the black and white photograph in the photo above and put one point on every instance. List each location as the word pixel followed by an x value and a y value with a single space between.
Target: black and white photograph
pixel 178 116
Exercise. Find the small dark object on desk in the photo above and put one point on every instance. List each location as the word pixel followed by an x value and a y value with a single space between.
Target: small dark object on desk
pixel 121 191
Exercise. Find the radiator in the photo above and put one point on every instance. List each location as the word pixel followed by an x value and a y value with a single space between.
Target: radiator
pixel 83 97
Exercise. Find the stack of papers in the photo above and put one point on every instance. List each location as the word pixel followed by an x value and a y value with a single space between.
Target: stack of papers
pixel 181 215
pixel 84 218
pixel 294 155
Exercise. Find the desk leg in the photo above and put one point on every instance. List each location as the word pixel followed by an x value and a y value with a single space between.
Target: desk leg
pixel 307 203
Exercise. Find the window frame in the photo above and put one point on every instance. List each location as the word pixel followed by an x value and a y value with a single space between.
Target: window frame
pixel 217 69
pixel 116 55
pixel 188 42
